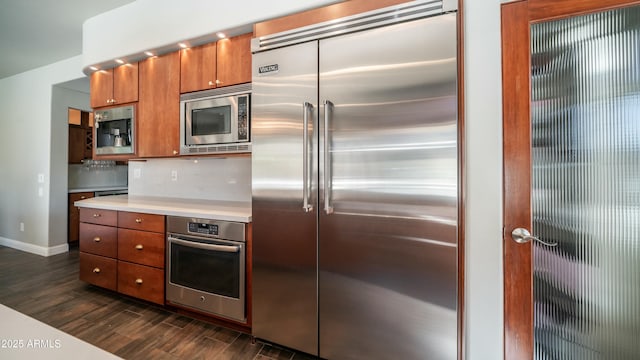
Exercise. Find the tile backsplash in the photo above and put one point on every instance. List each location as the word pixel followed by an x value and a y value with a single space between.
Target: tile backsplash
pixel 223 179
pixel 83 176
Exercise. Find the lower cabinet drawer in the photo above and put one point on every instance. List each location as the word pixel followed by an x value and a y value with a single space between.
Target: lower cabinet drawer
pixel 99 240
pixel 141 281
pixel 141 247
pixel 98 270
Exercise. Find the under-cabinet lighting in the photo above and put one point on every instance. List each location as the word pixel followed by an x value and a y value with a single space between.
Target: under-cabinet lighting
pixel 93 68
pixel 148 53
pixel 119 61
pixel 221 35
pixel 183 45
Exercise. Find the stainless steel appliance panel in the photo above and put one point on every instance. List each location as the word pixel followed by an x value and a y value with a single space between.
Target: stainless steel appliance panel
pixel 388 192
pixel 114 130
pixel 205 266
pixel 285 196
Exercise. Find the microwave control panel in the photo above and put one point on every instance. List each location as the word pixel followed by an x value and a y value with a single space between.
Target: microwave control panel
pixel 243 115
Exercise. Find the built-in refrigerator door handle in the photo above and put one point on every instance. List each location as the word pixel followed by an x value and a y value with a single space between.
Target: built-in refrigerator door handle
pixel 306 168
pixel 328 112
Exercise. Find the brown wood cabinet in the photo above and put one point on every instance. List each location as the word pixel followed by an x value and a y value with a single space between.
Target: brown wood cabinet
pixel 198 68
pixel 234 60
pixel 99 240
pixel 98 270
pixel 74 215
pixel 158 123
pixel 123 251
pixel 223 63
pixel 114 86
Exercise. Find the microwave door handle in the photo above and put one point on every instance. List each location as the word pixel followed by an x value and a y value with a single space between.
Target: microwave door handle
pixel 198 245
pixel 306 109
pixel 328 112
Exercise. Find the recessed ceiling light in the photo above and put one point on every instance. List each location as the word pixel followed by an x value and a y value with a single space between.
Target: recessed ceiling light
pixel 93 68
pixel 148 53
pixel 183 45
pixel 119 61
pixel 221 35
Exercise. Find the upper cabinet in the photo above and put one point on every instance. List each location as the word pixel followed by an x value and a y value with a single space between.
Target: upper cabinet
pixel 114 86
pixel 224 63
pixel 234 60
pixel 158 121
pixel 198 68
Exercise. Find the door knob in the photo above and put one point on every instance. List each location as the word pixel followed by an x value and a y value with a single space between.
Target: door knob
pixel 522 235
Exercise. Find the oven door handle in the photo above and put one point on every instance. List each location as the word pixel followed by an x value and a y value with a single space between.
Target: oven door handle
pixel 199 245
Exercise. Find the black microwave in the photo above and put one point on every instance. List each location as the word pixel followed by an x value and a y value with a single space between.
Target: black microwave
pixel 215 121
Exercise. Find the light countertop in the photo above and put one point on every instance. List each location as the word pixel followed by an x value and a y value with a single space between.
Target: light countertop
pixel 203 209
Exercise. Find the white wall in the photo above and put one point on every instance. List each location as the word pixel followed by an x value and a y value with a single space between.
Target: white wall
pixel 25 152
pixel 61 100
pixel 148 24
pixel 483 212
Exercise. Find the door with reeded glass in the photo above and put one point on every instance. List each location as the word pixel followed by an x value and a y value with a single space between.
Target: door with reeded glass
pixel 571 110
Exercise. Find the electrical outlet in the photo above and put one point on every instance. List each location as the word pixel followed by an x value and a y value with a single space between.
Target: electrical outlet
pixel 137 173
pixel 174 175
pixel 21 226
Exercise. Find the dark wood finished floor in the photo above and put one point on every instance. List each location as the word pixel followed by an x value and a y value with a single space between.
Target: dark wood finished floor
pixel 48 289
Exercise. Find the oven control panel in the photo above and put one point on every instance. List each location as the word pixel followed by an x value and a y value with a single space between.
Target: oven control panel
pixel 204 229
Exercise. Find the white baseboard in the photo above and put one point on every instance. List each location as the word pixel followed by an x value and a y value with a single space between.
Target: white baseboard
pixel 34 249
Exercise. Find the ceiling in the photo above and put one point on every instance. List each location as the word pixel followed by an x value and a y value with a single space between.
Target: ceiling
pixel 34 33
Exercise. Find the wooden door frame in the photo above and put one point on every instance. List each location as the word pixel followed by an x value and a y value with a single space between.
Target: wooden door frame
pixel 516 19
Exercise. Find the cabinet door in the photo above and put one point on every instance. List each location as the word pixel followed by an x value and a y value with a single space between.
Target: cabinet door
pixel 125 83
pixel 158 106
pixel 234 60
pixel 77 144
pixel 99 270
pixel 141 247
pixel 74 215
pixel 198 68
pixel 143 282
pixel 99 240
pixel 101 87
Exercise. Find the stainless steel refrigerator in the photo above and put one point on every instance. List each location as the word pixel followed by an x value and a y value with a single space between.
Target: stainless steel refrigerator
pixel 355 191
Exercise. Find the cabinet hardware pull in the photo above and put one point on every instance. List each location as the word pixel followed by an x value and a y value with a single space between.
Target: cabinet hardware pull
pixel 138 220
pixel 175 152
pixel 96 215
pixel 218 82
pixel 139 247
pixel 82 197
pixel 96 270
pixel 138 281
pixel 211 83
pixel 97 239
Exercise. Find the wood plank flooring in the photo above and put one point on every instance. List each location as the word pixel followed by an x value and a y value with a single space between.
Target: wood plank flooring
pixel 48 289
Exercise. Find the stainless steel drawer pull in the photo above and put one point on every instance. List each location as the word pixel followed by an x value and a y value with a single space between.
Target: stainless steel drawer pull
pixel 138 281
pixel 139 247
pixel 96 270
pixel 97 239
pixel 138 220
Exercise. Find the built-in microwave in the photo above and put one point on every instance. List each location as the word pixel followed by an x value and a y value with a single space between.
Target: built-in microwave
pixel 215 121
pixel 114 130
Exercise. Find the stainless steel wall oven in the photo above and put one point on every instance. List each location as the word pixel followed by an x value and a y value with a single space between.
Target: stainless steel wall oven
pixel 206 266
